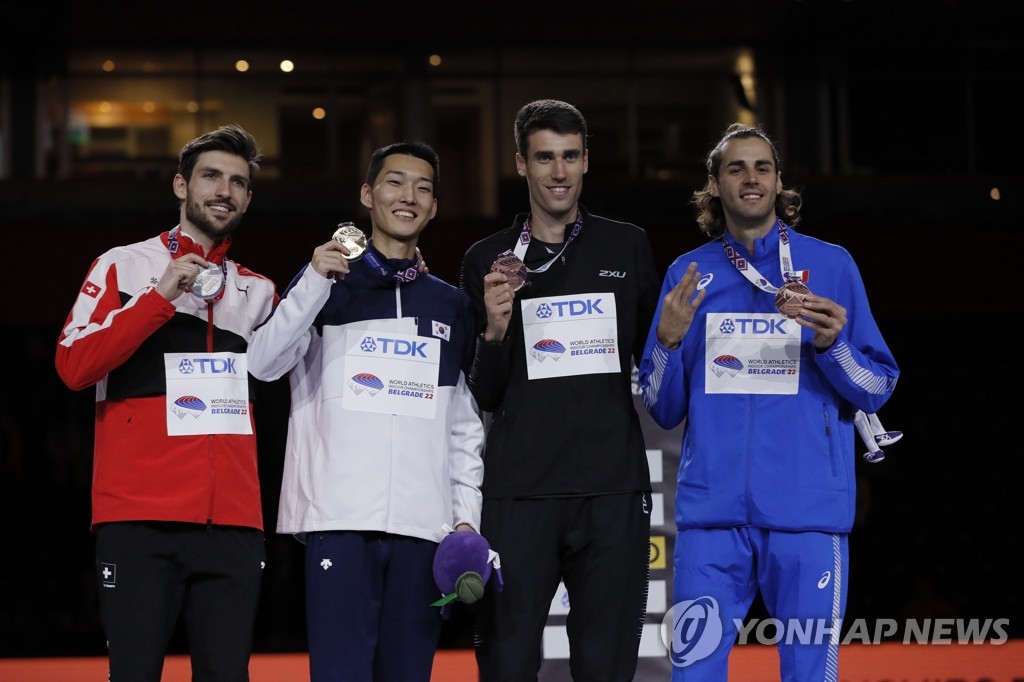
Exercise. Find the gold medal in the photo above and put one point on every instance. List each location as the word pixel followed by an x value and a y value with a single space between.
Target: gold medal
pixel 352 238
pixel 790 298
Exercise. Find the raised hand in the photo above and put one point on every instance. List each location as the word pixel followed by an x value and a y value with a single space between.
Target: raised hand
pixel 678 308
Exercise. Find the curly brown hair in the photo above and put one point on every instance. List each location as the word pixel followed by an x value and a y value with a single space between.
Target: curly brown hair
pixel 710 216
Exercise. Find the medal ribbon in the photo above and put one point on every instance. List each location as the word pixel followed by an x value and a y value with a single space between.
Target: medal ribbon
pixel 524 242
pixel 386 271
pixel 785 262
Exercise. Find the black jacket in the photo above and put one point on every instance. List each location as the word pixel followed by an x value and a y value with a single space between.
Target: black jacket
pixel 574 435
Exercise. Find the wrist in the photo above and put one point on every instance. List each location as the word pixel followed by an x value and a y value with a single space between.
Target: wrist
pixel 669 344
pixel 492 337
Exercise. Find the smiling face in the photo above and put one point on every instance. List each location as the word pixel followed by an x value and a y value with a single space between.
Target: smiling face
pixel 554 166
pixel 216 196
pixel 401 203
pixel 747 184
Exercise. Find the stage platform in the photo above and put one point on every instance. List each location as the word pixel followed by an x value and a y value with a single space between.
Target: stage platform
pixel 751 663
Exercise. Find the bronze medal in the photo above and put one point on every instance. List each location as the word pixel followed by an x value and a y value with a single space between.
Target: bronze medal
pixel 509 265
pixel 790 298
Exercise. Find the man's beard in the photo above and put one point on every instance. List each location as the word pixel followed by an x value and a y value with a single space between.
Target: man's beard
pixel 198 218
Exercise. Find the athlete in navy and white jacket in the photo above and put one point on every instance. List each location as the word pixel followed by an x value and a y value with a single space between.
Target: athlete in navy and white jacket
pixel 384 440
pixel 356 470
pixel 766 481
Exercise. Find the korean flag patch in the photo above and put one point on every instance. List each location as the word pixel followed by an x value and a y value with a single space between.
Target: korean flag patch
pixel 441 330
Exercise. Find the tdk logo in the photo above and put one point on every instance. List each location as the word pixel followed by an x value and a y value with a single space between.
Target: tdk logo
pixel 752 326
pixel 393 346
pixel 573 308
pixel 208 366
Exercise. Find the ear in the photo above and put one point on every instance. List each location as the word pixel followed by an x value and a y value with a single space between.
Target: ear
pixel 180 186
pixel 248 200
pixel 586 160
pixel 433 209
pixel 520 164
pixel 366 196
pixel 713 185
pixel 778 183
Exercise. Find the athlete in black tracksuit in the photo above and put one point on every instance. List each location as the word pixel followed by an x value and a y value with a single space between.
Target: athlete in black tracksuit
pixel 566 484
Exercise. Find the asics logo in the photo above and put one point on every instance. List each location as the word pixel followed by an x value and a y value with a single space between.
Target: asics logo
pixel 825 578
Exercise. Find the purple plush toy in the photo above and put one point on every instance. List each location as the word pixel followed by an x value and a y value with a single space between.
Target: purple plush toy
pixel 462 567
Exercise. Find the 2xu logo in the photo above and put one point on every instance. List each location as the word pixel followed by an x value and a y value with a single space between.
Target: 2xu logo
pixel 613 273
pixel 691 630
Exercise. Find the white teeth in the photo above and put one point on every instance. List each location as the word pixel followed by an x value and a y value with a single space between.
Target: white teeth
pixel 403 214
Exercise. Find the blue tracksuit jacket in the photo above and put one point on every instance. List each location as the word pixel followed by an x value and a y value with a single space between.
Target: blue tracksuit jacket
pixel 774 461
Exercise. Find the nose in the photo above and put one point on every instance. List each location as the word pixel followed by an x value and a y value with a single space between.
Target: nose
pixel 223 187
pixel 408 194
pixel 558 168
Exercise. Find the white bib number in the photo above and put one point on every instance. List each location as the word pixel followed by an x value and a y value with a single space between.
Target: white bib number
pixel 391 373
pixel 754 353
pixel 570 335
pixel 207 393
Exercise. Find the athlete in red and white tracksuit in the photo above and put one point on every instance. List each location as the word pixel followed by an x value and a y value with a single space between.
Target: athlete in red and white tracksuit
pixel 175 497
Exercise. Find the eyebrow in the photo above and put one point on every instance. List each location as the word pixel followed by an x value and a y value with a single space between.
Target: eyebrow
pixel 757 162
pixel 552 152
pixel 219 171
pixel 403 175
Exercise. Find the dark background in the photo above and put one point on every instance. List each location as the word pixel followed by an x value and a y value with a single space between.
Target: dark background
pixel 937 520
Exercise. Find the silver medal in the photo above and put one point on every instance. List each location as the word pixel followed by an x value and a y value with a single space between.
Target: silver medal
pixel 209 282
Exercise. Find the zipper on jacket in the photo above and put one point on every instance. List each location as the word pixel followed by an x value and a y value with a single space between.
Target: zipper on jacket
pixel 209 326
pixel 210 439
pixel 828 438
pixel 746 460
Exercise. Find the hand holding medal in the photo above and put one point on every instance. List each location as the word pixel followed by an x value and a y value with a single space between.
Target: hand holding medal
pixel 498 298
pixel 514 269
pixel 790 298
pixel 209 282
pixel 352 238
pixel 190 273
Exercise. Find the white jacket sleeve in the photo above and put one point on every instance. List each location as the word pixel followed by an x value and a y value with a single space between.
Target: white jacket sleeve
pixel 466 444
pixel 281 341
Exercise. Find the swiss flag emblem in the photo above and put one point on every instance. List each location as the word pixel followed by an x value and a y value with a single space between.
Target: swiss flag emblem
pixel 90 289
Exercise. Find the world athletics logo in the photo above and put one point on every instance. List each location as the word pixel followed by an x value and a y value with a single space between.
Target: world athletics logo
pixel 188 405
pixel 547 348
pixel 365 382
pixel 725 364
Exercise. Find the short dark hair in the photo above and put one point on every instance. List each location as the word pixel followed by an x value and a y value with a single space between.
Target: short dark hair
pixel 548 114
pixel 231 138
pixel 417 149
pixel 710 216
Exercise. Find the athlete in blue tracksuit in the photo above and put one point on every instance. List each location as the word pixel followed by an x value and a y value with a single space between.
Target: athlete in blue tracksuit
pixel 766 491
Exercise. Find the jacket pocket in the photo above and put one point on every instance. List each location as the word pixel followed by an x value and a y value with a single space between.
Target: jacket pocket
pixel 828 438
